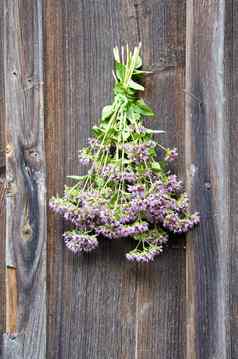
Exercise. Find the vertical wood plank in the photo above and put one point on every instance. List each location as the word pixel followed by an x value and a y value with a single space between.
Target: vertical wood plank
pixel 26 218
pixel 100 306
pixel 2 181
pixel 207 157
pixel 231 110
pixel 160 321
pixel 95 314
pixel 55 119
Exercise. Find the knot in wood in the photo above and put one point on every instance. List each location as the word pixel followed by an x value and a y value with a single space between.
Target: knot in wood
pixel 207 185
pixel 26 232
pixel 9 149
pixel 33 160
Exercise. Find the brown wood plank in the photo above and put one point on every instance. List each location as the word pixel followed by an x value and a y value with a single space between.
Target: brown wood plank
pixel 160 327
pixel 2 182
pixel 11 300
pixel 86 319
pixel 26 218
pixel 101 306
pixel 2 259
pixel 231 109
pixel 207 157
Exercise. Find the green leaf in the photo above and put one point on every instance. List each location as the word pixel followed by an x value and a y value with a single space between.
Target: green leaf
pixel 138 63
pixel 118 89
pixel 77 178
pixel 120 71
pixel 141 72
pixel 98 131
pixel 134 85
pixel 99 181
pixel 145 110
pixel 156 166
pixel 125 135
pixel 116 54
pixel 107 111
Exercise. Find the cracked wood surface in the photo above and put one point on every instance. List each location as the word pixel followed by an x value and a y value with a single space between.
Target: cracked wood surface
pixel 26 191
pixel 211 157
pixel 101 306
pixel 2 184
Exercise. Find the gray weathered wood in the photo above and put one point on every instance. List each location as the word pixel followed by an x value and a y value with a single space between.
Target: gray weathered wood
pixel 101 306
pixel 230 113
pixel 160 326
pixel 26 205
pixel 211 132
pixel 2 183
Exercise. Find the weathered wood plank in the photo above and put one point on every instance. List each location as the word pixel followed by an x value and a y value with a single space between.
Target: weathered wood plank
pixel 207 157
pixel 2 182
pixel 11 300
pixel 231 110
pixel 101 306
pixel 55 119
pixel 95 316
pixel 26 218
pixel 2 259
pixel 160 327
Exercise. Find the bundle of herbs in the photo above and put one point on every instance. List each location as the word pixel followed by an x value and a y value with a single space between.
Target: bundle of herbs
pixel 127 192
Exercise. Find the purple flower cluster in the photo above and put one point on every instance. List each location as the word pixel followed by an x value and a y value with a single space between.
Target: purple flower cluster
pixel 119 230
pixel 93 143
pixel 86 216
pixel 171 154
pixel 84 158
pixel 145 256
pixel 142 213
pixel 128 191
pixel 173 184
pixel 138 129
pixel 180 225
pixel 115 174
pixel 139 153
pixel 132 230
pixel 80 242
pixel 137 190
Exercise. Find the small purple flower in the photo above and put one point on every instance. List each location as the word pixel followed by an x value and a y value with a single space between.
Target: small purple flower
pixel 183 203
pixel 138 204
pixel 137 190
pixel 84 159
pixel 80 242
pixel 93 143
pixel 145 256
pixel 173 184
pixel 171 154
pixel 139 153
pixel 171 221
pixel 130 230
pixel 128 216
pixel 130 177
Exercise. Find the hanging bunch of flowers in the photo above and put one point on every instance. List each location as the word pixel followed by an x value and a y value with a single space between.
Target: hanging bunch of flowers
pixel 127 192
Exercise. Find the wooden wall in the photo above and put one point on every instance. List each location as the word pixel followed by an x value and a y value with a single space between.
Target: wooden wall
pixel 54 81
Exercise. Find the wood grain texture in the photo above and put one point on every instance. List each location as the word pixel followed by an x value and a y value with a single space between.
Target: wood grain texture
pixel 26 217
pixel 2 182
pixel 160 326
pixel 231 110
pixel 11 300
pixel 211 127
pixel 100 306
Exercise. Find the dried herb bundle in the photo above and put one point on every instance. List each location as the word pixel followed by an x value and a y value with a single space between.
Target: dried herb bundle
pixel 127 192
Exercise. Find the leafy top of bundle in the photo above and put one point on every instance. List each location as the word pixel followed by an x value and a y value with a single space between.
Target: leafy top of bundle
pixel 127 192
